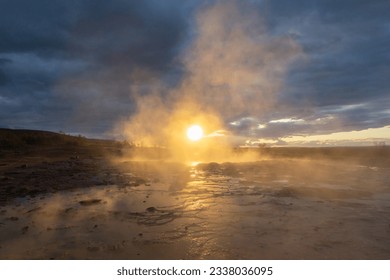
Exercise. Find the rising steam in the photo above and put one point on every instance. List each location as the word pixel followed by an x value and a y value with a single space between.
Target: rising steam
pixel 233 68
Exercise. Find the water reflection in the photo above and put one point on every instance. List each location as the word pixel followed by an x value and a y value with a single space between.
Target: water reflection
pixel 267 209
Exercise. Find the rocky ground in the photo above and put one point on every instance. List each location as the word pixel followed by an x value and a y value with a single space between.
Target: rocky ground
pixel 85 202
pixel 273 209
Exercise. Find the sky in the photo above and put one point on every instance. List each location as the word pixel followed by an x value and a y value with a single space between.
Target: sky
pixel 276 72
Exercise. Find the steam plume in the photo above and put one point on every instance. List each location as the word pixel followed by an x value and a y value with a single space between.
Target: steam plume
pixel 233 68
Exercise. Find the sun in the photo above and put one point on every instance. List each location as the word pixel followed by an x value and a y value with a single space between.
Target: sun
pixel 195 132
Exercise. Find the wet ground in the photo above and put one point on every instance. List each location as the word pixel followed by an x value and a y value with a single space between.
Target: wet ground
pixel 270 209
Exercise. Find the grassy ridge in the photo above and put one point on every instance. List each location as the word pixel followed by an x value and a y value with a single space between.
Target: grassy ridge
pixel 46 143
pixel 11 139
pixel 36 142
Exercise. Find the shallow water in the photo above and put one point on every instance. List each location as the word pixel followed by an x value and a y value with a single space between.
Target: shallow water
pixel 292 209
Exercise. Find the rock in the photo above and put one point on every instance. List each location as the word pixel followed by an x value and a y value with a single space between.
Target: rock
pixel 136 181
pixel 34 209
pixel 90 202
pixel 209 167
pixel 24 230
pixel 229 169
pixel 151 209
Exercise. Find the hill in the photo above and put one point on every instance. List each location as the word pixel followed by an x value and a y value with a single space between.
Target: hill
pixel 23 141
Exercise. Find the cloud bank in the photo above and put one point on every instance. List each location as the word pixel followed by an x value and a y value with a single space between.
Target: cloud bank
pixel 85 66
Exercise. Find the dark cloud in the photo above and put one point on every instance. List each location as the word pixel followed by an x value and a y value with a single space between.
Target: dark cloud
pixel 3 78
pixel 75 65
pixel 90 46
pixel 41 27
pixel 347 45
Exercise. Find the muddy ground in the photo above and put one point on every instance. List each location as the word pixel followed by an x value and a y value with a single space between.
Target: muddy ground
pixel 78 205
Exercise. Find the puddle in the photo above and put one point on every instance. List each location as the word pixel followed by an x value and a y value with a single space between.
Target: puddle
pixel 245 211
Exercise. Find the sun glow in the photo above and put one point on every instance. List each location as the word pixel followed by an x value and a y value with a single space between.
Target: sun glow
pixel 194 132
